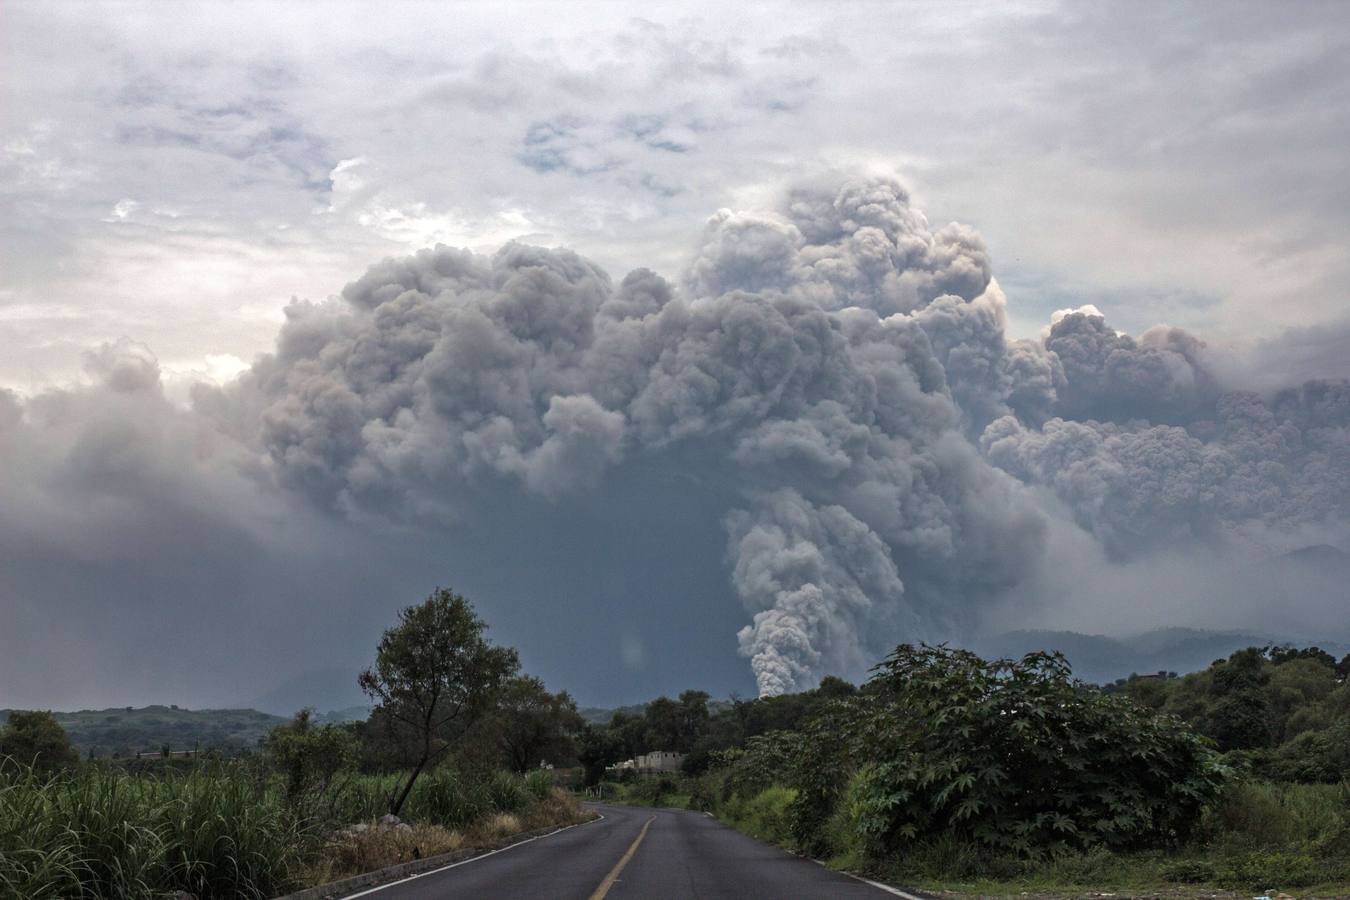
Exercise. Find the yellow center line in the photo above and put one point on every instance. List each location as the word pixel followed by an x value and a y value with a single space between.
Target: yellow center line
pixel 613 875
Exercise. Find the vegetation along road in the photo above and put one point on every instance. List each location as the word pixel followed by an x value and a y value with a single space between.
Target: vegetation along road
pixel 635 852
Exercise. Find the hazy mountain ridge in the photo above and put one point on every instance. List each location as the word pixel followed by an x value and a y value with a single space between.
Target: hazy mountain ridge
pixel 1094 658
pixel 1101 659
pixel 126 731
pixel 317 689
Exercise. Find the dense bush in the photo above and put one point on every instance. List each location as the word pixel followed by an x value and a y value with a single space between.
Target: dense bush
pixel 1018 756
pixel 1280 713
pixel 765 814
pixel 309 757
pixel 539 784
pixel 654 791
pixel 36 739
pixel 762 762
pixel 943 750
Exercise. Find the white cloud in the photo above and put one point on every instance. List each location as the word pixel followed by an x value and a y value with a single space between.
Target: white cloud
pixel 1087 158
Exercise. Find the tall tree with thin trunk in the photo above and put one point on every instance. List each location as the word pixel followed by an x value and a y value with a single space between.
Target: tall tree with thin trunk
pixel 435 674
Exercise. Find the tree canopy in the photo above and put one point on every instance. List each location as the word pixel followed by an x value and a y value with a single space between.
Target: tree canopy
pixel 37 739
pixel 435 675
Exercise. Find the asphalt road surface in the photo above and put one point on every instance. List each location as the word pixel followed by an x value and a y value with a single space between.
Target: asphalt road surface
pixel 637 854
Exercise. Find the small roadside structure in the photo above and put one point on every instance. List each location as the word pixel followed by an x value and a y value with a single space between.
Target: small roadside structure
pixel 657 762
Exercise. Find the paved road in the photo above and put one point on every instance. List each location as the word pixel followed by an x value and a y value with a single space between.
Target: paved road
pixel 637 854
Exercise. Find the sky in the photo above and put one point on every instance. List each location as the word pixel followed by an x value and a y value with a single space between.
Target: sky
pixel 819 420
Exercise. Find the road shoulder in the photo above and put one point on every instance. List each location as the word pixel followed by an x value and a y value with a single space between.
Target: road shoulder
pixel 358 884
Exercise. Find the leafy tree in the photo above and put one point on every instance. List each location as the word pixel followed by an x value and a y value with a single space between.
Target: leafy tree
pixel 532 726
pixel 37 739
pixel 598 747
pixel 1241 716
pixel 435 675
pixel 309 756
pixel 694 719
pixel 832 687
pixel 630 733
pixel 663 724
pixel 1288 653
pixel 1014 755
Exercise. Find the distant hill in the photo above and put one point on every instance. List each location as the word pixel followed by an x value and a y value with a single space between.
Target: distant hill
pixel 1319 571
pixel 1102 659
pixel 318 689
pixel 125 731
pixel 599 715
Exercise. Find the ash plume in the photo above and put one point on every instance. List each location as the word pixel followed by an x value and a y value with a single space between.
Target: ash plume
pixel 800 376
pixel 832 380
pixel 1146 448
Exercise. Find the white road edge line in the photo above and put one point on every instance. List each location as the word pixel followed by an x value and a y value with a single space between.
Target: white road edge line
pixel 883 887
pixel 876 884
pixel 465 862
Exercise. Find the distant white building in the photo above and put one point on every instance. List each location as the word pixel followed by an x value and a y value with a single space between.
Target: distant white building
pixel 658 762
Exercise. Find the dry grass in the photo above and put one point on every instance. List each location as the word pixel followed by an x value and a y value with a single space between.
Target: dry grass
pixel 559 808
pixel 493 828
pixel 376 848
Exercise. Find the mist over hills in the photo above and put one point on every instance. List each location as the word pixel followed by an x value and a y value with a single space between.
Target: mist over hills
pixel 322 690
pixel 333 693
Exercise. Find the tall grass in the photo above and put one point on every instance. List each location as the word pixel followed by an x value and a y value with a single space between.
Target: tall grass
pixel 213 832
pixel 442 796
pixel 225 829
pixel 1252 815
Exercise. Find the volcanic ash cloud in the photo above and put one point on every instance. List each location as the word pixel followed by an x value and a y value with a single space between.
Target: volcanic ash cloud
pixel 832 380
pixel 800 374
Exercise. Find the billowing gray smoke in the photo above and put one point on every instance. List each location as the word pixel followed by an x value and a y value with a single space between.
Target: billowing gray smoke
pixel 800 377
pixel 1147 449
pixel 832 380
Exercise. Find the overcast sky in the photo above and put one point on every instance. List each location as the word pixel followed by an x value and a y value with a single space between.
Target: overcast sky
pixel 177 172
pixel 173 175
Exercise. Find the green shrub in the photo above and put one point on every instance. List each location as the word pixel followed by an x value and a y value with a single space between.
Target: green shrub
pixel 1190 871
pixel 652 791
pixel 506 793
pixel 766 816
pixel 763 761
pixel 1013 756
pixel 1249 814
pixel 447 797
pixel 309 757
pixel 1258 870
pixel 539 784
pixel 37 740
